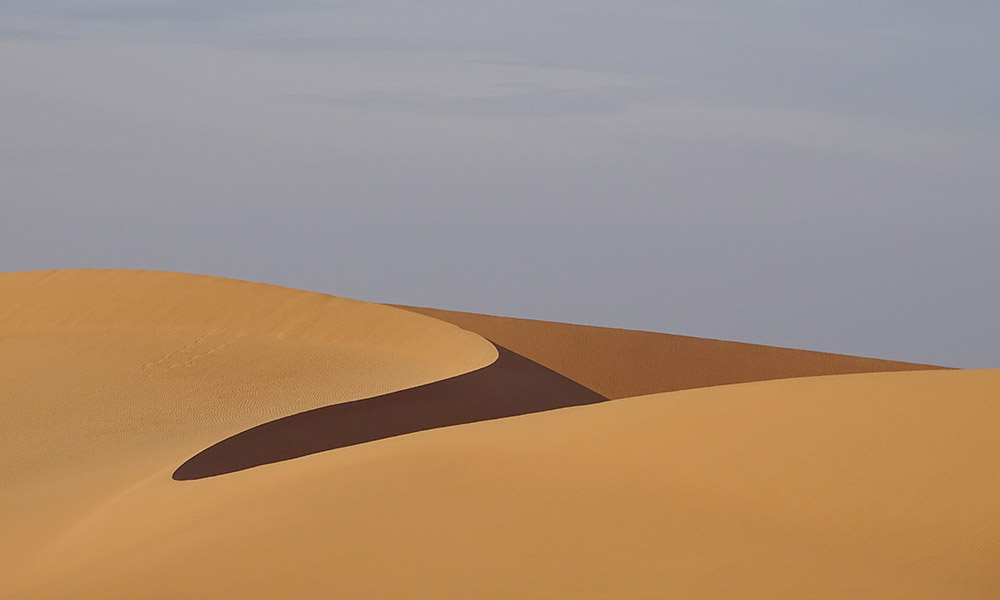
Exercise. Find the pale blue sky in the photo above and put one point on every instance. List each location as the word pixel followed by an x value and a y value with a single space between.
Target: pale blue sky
pixel 816 174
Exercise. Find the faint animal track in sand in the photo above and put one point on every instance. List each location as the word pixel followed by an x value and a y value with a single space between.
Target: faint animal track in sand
pixel 177 359
pixel 214 350
pixel 181 350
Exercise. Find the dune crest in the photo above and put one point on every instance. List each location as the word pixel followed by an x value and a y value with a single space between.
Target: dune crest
pixel 511 386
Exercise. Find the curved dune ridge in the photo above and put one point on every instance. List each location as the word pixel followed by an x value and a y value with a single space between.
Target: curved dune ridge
pixel 511 386
pixel 877 484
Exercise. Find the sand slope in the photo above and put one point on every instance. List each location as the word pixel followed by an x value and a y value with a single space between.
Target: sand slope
pixel 619 363
pixel 877 485
pixel 866 486
pixel 107 377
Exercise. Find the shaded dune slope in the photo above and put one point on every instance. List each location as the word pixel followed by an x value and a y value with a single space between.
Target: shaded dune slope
pixel 512 385
pixel 619 363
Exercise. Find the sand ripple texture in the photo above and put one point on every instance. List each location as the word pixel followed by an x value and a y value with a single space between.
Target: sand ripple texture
pixel 782 475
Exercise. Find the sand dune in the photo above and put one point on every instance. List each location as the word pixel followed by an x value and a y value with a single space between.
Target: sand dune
pixel 110 376
pixel 619 363
pixel 837 486
pixel 842 487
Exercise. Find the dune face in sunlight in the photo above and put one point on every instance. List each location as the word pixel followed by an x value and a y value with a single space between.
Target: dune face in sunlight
pixel 169 435
pixel 109 377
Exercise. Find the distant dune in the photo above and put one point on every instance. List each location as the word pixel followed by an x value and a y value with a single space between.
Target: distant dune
pixel 181 436
pixel 619 363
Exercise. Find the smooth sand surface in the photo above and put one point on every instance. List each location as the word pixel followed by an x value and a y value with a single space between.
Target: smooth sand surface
pixel 866 486
pixel 880 485
pixel 108 377
pixel 619 363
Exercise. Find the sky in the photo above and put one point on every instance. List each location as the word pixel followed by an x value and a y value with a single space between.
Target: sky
pixel 812 174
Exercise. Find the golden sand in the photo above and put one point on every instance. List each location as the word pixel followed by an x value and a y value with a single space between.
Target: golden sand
pixel 880 485
pixel 110 377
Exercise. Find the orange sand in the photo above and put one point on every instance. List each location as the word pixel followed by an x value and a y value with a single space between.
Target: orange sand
pixel 619 363
pixel 876 485
pixel 109 377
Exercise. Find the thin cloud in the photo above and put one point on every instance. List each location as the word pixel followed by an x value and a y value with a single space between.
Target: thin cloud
pixel 184 11
pixel 809 129
pixel 528 104
pixel 7 33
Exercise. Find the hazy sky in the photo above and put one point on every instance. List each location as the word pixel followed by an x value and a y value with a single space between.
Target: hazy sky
pixel 815 174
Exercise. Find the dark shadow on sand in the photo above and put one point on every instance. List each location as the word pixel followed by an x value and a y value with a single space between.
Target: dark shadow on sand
pixel 512 385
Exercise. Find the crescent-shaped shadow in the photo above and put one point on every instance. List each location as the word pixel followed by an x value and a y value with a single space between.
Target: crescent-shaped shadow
pixel 512 385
